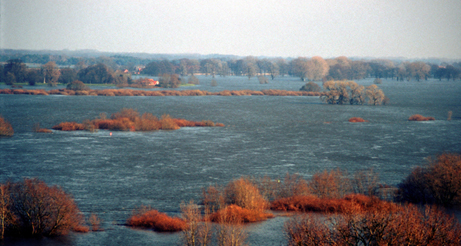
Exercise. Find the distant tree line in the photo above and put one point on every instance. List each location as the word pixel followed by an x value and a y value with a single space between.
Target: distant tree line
pixel 118 69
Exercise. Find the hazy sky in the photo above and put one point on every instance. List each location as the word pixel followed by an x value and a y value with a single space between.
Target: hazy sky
pixel 380 28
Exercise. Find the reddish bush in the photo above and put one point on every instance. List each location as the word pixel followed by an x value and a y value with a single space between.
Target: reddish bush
pixel 44 130
pixel 356 203
pixel 243 193
pixel 168 123
pixel 81 229
pixel 41 210
pixel 237 214
pixel 153 219
pixel 5 128
pixel 437 183
pixel 418 117
pixel 405 226
pixel 357 119
pixel 69 126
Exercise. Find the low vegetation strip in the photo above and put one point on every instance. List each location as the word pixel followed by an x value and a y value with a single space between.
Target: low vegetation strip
pixel 153 219
pixel 354 202
pixel 130 92
pixel 130 120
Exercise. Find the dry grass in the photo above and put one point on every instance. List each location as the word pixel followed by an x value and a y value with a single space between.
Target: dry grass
pixel 418 117
pixel 357 119
pixel 156 220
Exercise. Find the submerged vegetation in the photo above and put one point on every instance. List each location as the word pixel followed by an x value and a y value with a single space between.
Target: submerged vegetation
pixel 5 128
pixel 418 117
pixel 354 209
pixel 130 120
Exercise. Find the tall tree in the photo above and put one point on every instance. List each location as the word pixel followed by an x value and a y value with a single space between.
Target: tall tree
pixel 17 68
pixel 96 74
pixel 51 73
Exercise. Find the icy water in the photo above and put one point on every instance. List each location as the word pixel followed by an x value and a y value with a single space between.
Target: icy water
pixel 111 175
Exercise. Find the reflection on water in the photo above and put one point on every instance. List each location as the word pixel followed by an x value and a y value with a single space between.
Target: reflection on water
pixel 111 175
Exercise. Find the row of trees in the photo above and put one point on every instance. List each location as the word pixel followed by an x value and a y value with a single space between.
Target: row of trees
pixel 15 71
pixel 312 69
pixel 315 68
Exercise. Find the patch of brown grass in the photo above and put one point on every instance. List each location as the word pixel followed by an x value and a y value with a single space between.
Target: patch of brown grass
pixel 156 220
pixel 357 119
pixel 418 117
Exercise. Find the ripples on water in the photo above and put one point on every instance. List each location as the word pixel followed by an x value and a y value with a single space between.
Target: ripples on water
pixel 111 175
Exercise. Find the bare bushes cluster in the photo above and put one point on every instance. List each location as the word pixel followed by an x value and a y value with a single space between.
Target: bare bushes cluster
pixel 130 120
pixel 31 208
pixel 5 128
pixel 200 231
pixel 438 182
pixel 401 225
pixel 239 201
pixel 349 92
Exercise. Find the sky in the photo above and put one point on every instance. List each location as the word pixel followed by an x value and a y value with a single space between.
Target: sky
pixel 285 28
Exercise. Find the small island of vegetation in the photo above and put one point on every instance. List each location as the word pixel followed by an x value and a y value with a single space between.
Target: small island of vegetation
pixel 130 120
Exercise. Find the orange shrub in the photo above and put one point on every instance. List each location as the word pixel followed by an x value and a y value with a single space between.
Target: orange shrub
pixel 122 124
pixel 69 126
pixel 406 226
pixel 41 210
pixel 356 203
pixel 243 193
pixel 5 128
pixel 44 130
pixel 81 229
pixel 237 214
pixel 105 124
pixel 6 91
pixel 357 119
pixel 155 220
pixel 168 123
pixel 418 117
